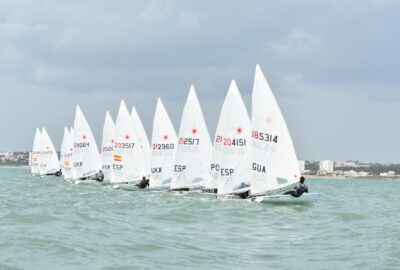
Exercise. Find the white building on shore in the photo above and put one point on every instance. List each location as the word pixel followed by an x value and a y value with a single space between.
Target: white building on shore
pixel 326 166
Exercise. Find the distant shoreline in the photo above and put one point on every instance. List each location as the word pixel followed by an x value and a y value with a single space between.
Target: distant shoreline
pixel 343 177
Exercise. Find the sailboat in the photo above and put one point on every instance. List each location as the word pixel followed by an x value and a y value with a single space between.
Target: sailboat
pixel 194 148
pixel 230 164
pixel 67 149
pixel 86 157
pixel 49 163
pixel 143 139
pixel 107 147
pixel 128 165
pixel 163 146
pixel 274 162
pixel 35 158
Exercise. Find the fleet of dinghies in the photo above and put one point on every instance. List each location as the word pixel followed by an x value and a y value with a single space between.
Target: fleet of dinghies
pixel 249 157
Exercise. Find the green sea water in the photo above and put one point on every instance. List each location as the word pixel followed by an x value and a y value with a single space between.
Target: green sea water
pixel 47 223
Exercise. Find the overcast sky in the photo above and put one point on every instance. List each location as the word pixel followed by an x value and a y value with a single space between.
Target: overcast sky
pixel 333 66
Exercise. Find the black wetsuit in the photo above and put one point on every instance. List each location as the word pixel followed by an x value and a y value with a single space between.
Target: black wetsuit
pixel 299 189
pixel 143 183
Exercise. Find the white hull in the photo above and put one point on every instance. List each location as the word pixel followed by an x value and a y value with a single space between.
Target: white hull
pixel 87 182
pixel 305 198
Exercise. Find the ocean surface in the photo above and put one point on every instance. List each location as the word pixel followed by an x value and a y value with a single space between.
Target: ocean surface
pixel 46 223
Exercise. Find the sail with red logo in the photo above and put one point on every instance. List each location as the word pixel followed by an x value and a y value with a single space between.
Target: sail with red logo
pixel 194 148
pixel 273 161
pixel 49 163
pixel 163 147
pixel 86 157
pixel 128 165
pixel 230 164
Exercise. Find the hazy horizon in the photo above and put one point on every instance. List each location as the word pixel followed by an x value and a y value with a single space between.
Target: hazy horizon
pixel 331 65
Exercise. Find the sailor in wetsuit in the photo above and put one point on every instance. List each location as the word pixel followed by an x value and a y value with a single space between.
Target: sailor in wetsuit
pixel 299 189
pixel 144 183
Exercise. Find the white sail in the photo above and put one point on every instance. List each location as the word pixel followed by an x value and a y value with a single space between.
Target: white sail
pixel 49 163
pixel 128 162
pixel 67 149
pixel 163 146
pixel 191 167
pixel 230 164
pixel 143 139
pixel 35 157
pixel 86 158
pixel 274 160
pixel 107 146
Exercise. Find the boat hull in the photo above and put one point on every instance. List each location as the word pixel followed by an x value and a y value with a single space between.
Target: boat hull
pixel 305 198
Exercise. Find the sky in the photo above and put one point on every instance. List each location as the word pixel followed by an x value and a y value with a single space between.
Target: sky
pixel 332 65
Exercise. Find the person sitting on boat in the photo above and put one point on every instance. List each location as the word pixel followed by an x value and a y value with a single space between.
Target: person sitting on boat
pixel 99 177
pixel 299 189
pixel 144 183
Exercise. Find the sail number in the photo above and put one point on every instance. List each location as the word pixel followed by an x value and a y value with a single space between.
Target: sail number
pixel 124 145
pixel 264 136
pixel 230 141
pixel 163 146
pixel 189 141
pixel 81 145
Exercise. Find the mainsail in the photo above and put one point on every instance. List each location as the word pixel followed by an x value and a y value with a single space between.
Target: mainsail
pixel 274 162
pixel 107 146
pixel 143 140
pixel 163 146
pixel 230 166
pixel 128 163
pixel 49 163
pixel 194 147
pixel 86 157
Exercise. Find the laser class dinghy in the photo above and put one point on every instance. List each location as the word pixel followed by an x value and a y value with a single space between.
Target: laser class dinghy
pixel 163 147
pixel 274 162
pixel 192 160
pixel 86 157
pixel 230 165
pixel 49 163
pixel 128 165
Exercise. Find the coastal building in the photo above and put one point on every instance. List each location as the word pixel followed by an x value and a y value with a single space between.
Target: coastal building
pixel 326 167
pixel 302 166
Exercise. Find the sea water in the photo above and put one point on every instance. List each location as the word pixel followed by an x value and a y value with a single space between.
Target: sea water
pixel 47 223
